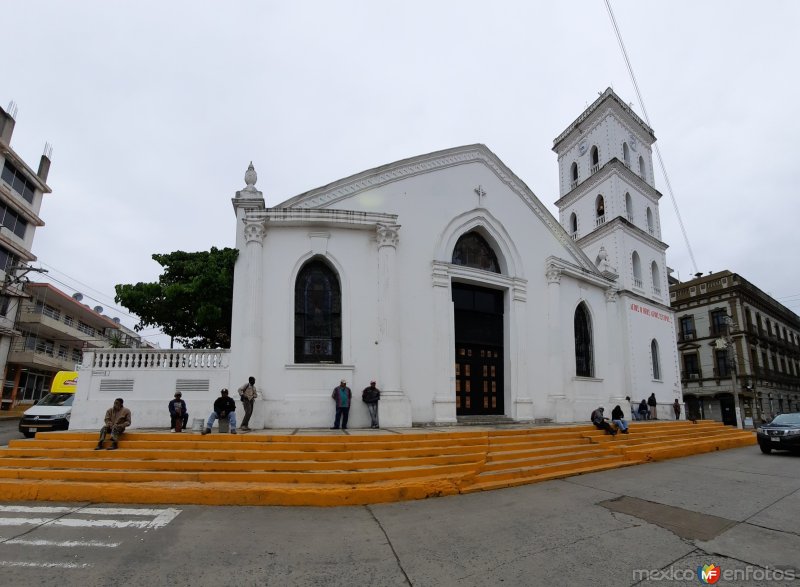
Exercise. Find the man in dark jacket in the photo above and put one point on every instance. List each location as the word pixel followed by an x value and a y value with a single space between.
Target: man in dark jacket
pixel 652 402
pixel 644 411
pixel 601 422
pixel 370 396
pixel 224 407
pixel 342 396
pixel 177 411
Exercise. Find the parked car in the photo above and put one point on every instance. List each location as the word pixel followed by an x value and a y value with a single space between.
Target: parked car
pixel 783 433
pixel 53 410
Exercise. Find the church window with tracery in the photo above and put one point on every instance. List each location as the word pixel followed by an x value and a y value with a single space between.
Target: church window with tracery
pixel 317 315
pixel 472 250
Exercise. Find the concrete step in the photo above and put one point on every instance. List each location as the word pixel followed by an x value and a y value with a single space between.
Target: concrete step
pixel 573 462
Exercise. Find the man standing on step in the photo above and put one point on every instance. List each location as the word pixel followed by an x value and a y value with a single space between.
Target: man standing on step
pixel 342 396
pixel 370 396
pixel 224 407
pixel 248 395
pixel 117 419
pixel 676 407
pixel 653 403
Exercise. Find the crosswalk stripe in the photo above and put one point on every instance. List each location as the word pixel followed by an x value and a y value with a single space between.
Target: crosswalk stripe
pixel 63 543
pixel 45 565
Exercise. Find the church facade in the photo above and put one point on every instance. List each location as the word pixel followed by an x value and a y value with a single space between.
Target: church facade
pixel 445 279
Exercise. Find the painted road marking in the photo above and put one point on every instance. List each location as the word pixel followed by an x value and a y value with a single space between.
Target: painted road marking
pixel 160 517
pixel 62 543
pixel 45 565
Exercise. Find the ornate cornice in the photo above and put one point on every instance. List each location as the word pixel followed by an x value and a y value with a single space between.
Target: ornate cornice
pixel 617 168
pixel 387 234
pixel 611 295
pixel 326 196
pixel 613 100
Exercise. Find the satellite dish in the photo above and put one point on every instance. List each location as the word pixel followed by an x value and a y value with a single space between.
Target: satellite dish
pixel 116 320
pixel 77 296
pixel 98 309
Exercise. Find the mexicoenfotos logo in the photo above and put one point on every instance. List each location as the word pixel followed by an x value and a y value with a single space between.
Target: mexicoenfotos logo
pixel 709 574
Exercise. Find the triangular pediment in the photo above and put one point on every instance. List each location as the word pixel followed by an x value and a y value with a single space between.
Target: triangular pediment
pixel 336 192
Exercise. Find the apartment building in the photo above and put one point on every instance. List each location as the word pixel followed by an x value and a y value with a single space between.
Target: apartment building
pixel 734 338
pixel 21 193
pixel 55 328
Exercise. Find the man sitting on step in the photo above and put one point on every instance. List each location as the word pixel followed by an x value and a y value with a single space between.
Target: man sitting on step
pixel 224 408
pixel 602 422
pixel 117 419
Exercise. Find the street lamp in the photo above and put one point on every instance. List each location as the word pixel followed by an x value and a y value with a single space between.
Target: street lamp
pixel 726 343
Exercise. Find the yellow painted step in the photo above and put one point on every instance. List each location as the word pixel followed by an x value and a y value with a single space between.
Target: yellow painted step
pixel 307 477
pixel 564 465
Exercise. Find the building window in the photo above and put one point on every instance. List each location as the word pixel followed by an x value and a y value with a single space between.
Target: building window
pixel 687 327
pixel 594 156
pixel 626 154
pixel 637 270
pixel 573 226
pixel 655 276
pixel 7 259
pixel 77 355
pixel 317 315
pixel 629 207
pixel 85 328
pixel 641 168
pixel 4 302
pixel 656 361
pixel 574 174
pixel 719 323
pixel 650 227
pixel 584 366
pixel 12 221
pixel 472 250
pixel 721 363
pixel 691 368
pixel 15 178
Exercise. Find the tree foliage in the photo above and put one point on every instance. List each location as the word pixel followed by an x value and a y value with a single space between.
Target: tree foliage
pixel 192 301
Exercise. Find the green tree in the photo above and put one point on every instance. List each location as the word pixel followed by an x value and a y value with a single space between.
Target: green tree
pixel 192 301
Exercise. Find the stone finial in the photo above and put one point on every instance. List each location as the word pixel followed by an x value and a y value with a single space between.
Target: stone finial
pixel 250 177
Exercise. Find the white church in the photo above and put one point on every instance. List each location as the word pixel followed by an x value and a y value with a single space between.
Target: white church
pixel 444 278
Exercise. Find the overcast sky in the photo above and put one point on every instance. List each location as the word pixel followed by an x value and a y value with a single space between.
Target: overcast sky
pixel 155 110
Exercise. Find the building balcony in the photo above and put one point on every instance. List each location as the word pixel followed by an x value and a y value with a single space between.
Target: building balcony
pixel 600 220
pixel 574 184
pixel 40 358
pixel 54 325
pixel 594 168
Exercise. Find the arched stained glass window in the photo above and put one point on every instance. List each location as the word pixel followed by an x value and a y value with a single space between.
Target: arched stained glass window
pixel 472 250
pixel 317 315
pixel 584 365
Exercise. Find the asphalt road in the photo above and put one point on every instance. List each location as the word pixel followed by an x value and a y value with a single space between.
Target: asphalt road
pixel 9 430
pixel 647 524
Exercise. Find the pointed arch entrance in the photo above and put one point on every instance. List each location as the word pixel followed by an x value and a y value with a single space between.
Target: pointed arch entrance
pixel 478 321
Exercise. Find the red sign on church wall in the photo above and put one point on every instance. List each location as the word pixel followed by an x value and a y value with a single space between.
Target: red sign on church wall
pixel 650 313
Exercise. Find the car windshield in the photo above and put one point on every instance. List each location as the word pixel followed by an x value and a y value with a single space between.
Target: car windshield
pixel 57 399
pixel 787 420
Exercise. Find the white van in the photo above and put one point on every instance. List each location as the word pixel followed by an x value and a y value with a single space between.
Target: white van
pixel 53 410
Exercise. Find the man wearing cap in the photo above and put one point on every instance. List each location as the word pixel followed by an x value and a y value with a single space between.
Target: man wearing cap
pixel 370 396
pixel 224 407
pixel 177 410
pixel 342 396
pixel 601 422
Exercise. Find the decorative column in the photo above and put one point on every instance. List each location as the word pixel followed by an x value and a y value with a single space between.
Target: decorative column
pixel 557 393
pixel 518 324
pixel 616 364
pixel 248 297
pixel 395 409
pixel 444 382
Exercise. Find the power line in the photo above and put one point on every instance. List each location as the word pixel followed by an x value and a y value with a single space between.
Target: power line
pixel 647 118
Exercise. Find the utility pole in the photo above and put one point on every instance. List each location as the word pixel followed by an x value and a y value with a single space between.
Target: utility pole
pixel 727 343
